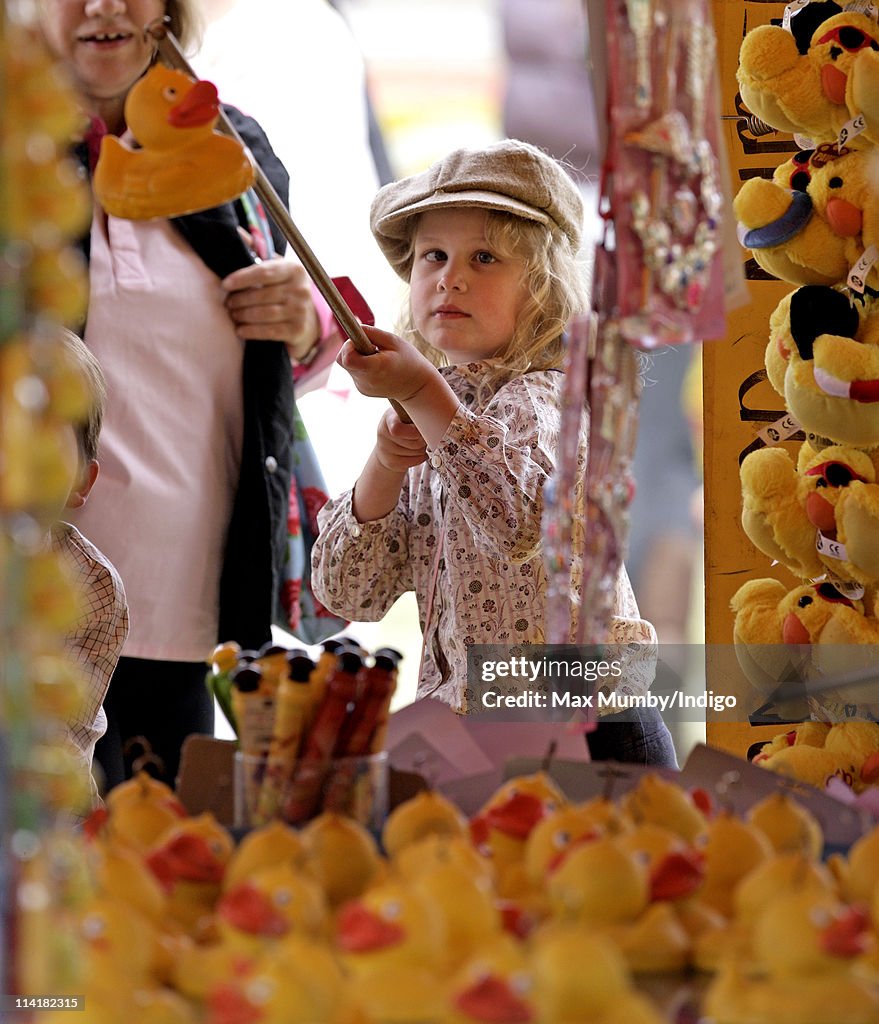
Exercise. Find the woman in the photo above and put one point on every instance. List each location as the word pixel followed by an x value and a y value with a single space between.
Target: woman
pixel 196 340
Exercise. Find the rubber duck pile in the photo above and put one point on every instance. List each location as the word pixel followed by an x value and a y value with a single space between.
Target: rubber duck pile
pixel 815 224
pixel 537 909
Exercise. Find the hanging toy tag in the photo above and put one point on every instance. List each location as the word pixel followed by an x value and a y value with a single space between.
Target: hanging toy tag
pixel 858 274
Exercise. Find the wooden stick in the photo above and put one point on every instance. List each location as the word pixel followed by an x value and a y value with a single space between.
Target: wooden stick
pixel 170 51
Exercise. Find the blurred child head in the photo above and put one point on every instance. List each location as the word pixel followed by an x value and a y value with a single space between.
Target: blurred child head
pixel 533 216
pixel 86 430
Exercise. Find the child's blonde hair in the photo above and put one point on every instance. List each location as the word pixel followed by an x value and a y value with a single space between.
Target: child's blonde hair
pixel 88 428
pixel 556 286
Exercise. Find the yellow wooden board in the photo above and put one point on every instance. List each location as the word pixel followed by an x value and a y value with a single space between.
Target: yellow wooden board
pixel 738 401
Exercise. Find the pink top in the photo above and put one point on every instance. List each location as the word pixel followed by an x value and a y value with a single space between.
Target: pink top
pixel 170 446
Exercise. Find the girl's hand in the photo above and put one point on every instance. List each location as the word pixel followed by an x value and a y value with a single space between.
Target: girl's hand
pixel 399 445
pixel 396 370
pixel 271 301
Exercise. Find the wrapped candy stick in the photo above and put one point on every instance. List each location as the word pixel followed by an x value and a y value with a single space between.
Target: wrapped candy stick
pixel 322 739
pixel 292 704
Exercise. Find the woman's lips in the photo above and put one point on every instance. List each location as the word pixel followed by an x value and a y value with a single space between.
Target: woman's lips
pixel 449 313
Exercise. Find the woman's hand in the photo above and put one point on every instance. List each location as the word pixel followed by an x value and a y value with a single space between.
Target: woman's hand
pixel 398 445
pixel 271 301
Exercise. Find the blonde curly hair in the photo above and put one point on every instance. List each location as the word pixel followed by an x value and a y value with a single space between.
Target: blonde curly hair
pixel 556 283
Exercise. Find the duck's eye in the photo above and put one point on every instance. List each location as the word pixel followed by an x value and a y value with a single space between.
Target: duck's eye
pixel 561 839
pixel 839 475
pixel 799 180
pixel 804 602
pixel 835 182
pixel 283 898
pixel 170 93
pixel 521 983
pixel 392 910
pixel 821 482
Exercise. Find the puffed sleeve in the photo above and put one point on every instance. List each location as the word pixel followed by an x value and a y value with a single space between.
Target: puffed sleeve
pixel 636 640
pixel 496 464
pixel 358 569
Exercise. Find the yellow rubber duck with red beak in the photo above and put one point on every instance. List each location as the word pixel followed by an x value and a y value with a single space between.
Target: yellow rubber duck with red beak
pixel 178 164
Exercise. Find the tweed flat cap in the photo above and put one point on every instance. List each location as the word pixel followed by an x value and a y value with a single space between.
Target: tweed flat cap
pixel 511 176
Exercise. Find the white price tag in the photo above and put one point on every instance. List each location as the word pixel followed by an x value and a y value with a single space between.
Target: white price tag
pixel 792 9
pixel 853 591
pixel 779 431
pixel 858 274
pixel 851 129
pixel 830 548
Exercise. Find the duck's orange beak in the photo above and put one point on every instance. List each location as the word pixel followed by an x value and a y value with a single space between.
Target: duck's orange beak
pixel 250 910
pixel 198 107
pixel 360 930
pixel 188 858
pixel 492 1000
pixel 517 816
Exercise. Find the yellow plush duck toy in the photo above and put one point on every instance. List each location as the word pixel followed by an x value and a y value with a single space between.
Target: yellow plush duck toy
pixel 796 80
pixel 786 505
pixel 813 626
pixel 182 164
pixel 823 359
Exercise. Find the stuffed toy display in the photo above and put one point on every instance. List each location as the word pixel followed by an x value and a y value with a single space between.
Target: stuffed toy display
pixel 797 80
pixel 820 515
pixel 813 221
pixel 815 224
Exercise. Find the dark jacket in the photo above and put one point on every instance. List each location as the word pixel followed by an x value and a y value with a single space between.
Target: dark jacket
pixel 257 537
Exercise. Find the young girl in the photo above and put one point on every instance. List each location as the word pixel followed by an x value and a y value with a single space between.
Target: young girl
pixel 450 505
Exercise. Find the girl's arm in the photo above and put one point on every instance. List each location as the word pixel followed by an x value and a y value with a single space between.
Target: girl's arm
pixel 398 447
pixel 398 371
pixel 358 570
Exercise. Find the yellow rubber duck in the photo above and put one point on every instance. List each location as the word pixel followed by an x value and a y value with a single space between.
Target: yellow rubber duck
pixel 391 926
pixel 599 990
pixel 805 945
pixel 426 813
pixel 182 164
pixel 298 982
pixel 189 861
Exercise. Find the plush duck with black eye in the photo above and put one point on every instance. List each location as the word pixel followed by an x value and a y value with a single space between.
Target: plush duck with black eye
pixel 813 221
pixel 796 80
pixel 823 359
pixel 182 164
pixel 786 505
pixel 812 627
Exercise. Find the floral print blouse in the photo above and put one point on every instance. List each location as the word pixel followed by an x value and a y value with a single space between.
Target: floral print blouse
pixel 465 536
